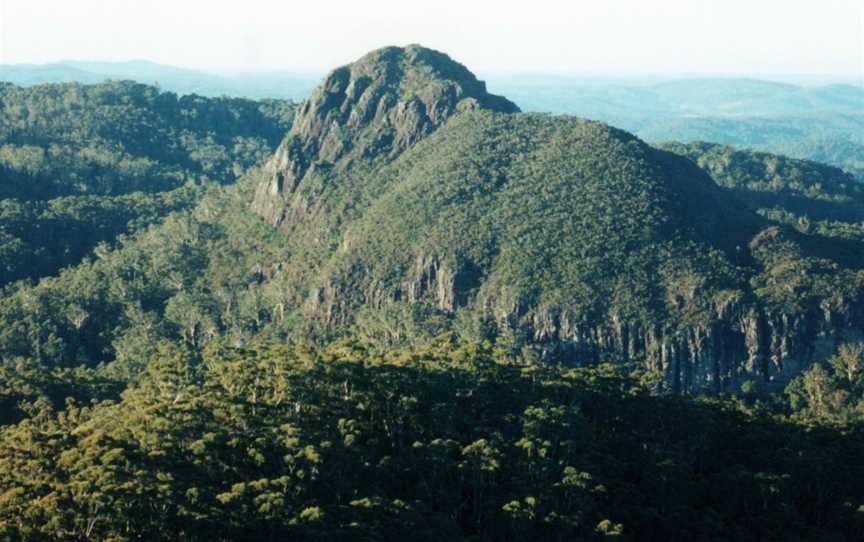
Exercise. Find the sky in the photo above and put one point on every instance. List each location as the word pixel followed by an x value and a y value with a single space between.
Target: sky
pixel 502 36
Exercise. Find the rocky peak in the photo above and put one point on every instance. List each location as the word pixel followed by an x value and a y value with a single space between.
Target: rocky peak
pixel 378 106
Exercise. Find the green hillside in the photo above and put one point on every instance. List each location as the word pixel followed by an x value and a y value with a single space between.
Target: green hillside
pixel 772 184
pixel 558 239
pixel 81 164
pixel 427 316
pixel 571 239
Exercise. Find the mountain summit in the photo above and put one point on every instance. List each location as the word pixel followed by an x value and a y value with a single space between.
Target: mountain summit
pixel 412 203
pixel 378 106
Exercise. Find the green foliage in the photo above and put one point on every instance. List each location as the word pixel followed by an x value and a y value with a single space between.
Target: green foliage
pixel 831 138
pixel 489 255
pixel 83 164
pixel 37 238
pixel 121 137
pixel 191 278
pixel 832 394
pixel 444 442
pixel 511 232
pixel 766 182
pixel 25 388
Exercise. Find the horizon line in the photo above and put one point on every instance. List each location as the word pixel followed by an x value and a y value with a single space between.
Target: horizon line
pixel 233 71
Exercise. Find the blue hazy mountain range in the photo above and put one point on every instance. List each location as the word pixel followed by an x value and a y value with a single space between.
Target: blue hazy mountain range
pixel 819 119
pixel 285 85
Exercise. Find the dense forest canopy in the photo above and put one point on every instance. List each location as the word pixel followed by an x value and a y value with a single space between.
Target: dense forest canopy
pixel 443 442
pixel 121 137
pixel 83 164
pixel 427 316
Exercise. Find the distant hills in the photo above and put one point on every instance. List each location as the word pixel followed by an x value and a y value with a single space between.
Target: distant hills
pixel 716 97
pixel 280 85
pixel 598 97
pixel 823 121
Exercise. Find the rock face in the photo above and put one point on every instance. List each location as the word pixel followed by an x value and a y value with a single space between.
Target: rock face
pixel 412 202
pixel 744 341
pixel 376 107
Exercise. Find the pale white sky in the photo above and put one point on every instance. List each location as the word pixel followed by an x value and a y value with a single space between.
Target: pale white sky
pixel 576 36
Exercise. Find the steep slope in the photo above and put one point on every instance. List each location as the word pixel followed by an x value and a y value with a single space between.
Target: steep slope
pixel 557 237
pixel 527 211
pixel 375 108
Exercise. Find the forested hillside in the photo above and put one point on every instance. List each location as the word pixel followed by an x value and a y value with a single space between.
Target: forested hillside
pixel 816 122
pixel 411 312
pixel 82 164
pixel 557 239
pixel 440 443
pixel 561 238
pixel 829 138
pixel 811 197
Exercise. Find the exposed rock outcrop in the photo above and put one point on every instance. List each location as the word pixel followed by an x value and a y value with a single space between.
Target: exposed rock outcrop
pixel 376 107
pixel 743 339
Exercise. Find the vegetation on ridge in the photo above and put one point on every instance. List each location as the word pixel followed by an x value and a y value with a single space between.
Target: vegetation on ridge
pixel 81 165
pixel 478 269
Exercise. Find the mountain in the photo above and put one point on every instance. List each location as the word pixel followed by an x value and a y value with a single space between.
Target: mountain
pixel 377 107
pixel 559 235
pixel 428 316
pixel 406 202
pixel 813 118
